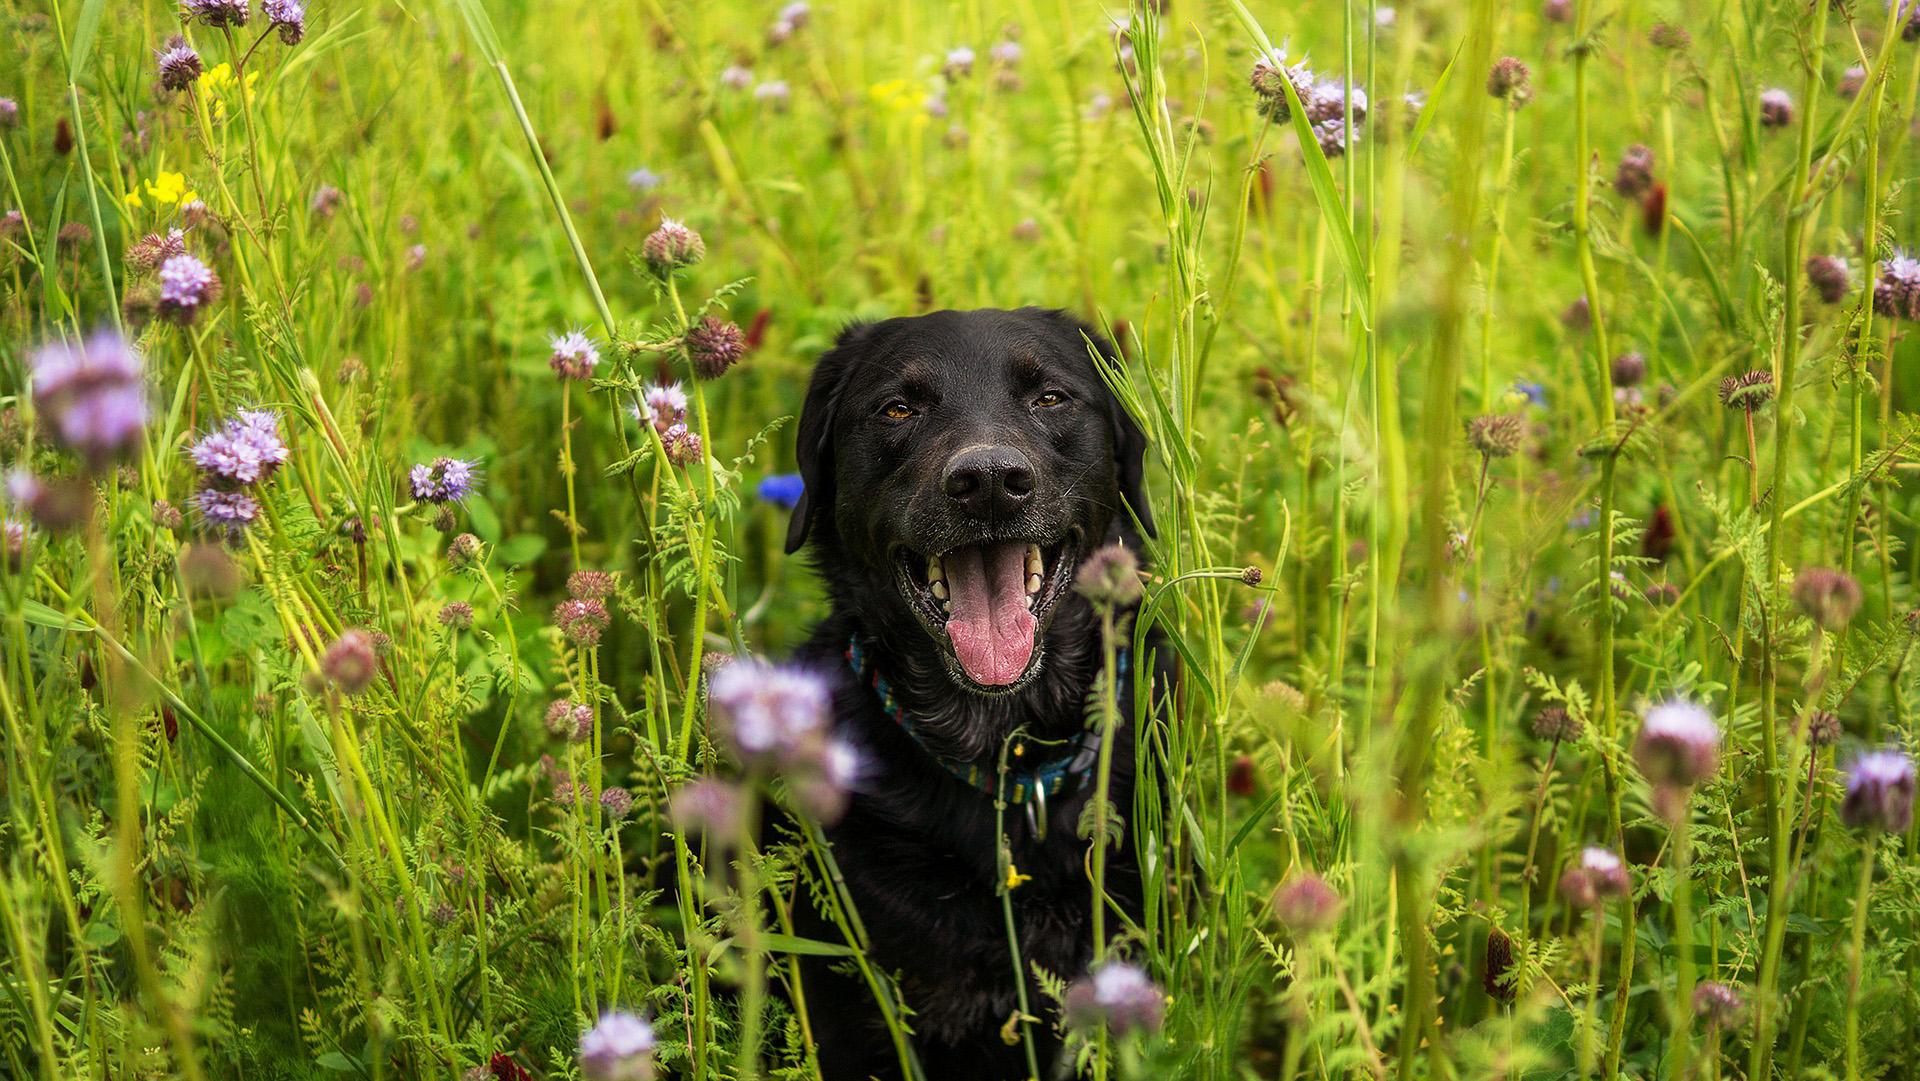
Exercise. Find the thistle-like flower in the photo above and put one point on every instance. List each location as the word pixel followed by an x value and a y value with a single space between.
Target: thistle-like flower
pixel 1750 391
pixel 574 356
pixel 1307 905
pixel 1496 435
pixel 671 246
pixel 1557 11
pixel 1271 76
pixel 150 251
pixel 1555 725
pixel 215 13
pixel 1669 38
pixel 1110 578
pixel 1118 996
pixel 1880 789
pixel 682 445
pixel 1510 81
pixel 9 114
pixel 1628 369
pixel 570 720
pixel 456 615
pixel 1776 108
pixel 178 62
pixel 1829 277
pixel 444 480
pixel 1827 596
pixel 590 585
pixel 350 662
pixel 93 394
pixel 186 286
pixel 1634 175
pixel 581 621
pixel 1852 81
pixel 616 802
pixel 618 1048
pixel 713 345
pixel 1599 876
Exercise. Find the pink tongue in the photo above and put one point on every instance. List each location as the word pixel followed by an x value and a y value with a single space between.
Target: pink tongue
pixel 991 628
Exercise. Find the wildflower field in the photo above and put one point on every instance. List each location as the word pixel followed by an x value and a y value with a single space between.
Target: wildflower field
pixel 397 409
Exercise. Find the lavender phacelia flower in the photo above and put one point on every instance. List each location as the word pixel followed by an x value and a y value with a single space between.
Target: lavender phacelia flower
pixel 245 450
pixel 1109 578
pixel 643 179
pixel 736 76
pixel 1634 175
pixel 1556 725
pixel 93 394
pixel 616 802
pixel 775 93
pixel 326 200
pixel 1557 11
pixel 771 716
pixel 713 345
pixel 1896 292
pixel 1717 1004
pixel 1496 435
pixel 444 480
pixel 154 249
pixel 226 512
pixel 1776 108
pixel 672 246
pixel 1628 369
pixel 574 355
pixel 570 720
pixel 288 17
pixel 456 615
pixel 958 63
pixel 710 806
pixel 1270 78
pixel 1880 789
pixel 1749 391
pixel 1678 747
pixel 1599 876
pixel 1509 81
pixel 186 286
pixel 9 114
pixel 1117 995
pixel 662 405
pixel 216 13
pixel 618 1048
pixel 178 62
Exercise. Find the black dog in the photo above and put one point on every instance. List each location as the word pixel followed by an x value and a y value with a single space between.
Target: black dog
pixel 958 468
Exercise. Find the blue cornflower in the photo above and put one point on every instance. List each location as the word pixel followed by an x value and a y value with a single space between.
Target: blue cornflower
pixel 783 490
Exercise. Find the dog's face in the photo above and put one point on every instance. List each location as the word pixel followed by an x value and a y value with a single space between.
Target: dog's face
pixel 958 466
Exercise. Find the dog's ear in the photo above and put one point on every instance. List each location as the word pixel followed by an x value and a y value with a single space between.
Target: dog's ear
pixel 1129 442
pixel 813 448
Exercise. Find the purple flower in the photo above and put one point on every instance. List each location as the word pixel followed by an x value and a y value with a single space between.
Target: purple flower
pixel 958 64
pixel 245 450
pixel 796 14
pixel 618 1048
pixel 644 179
pixel 590 585
pixel 1270 78
pixel 1598 876
pixel 1776 108
pixel 708 805
pixel 574 356
pixel 714 345
pixel 150 251
pixel 93 394
pixel 616 802
pixel 1307 905
pixel 1006 53
pixel 1717 1004
pixel 774 92
pixel 217 13
pixel 570 720
pixel 226 512
pixel 186 286
pixel 783 490
pixel 178 62
pixel 662 406
pixel 9 113
pixel 326 199
pixel 1679 744
pixel 444 480
pixel 737 76
pixel 1880 791
pixel 581 621
pixel 287 16
pixel 1117 995
pixel 1896 293
pixel 350 663
pixel 770 715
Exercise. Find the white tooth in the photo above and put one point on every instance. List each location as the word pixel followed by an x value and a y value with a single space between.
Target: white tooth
pixel 940 589
pixel 934 570
pixel 947 607
pixel 1034 563
pixel 1033 583
pixel 1027 601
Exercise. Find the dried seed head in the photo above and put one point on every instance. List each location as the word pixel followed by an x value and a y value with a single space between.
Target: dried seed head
pixel 1496 435
pixel 1496 973
pixel 1555 724
pixel 1670 38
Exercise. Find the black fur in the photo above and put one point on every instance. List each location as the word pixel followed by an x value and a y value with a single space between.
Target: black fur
pixel 917 846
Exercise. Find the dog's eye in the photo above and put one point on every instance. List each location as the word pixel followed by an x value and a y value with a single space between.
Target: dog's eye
pixel 1050 399
pixel 897 410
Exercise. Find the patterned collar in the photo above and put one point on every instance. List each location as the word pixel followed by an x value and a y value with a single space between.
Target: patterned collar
pixel 1021 785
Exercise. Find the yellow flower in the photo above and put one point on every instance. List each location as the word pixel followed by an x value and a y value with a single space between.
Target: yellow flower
pixel 133 199
pixel 1014 878
pixel 895 94
pixel 170 188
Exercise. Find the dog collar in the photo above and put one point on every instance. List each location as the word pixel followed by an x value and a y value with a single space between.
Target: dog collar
pixel 1022 785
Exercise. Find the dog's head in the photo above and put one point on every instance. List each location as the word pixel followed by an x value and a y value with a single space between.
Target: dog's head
pixel 958 466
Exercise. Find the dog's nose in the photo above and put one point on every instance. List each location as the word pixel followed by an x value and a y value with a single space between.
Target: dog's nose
pixel 989 482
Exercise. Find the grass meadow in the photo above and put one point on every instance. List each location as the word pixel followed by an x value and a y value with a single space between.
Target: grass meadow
pixel 1527 392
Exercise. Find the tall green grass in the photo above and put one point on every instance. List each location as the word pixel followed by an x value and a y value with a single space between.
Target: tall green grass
pixel 215 861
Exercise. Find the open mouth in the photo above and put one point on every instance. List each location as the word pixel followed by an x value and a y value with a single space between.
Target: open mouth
pixel 989 602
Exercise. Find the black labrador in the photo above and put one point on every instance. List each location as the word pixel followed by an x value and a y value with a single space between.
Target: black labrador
pixel 958 468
